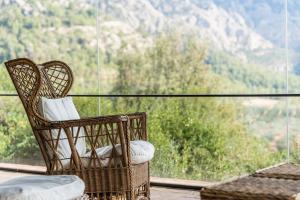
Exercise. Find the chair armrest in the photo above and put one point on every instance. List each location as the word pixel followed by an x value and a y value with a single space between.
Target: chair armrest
pixel 82 122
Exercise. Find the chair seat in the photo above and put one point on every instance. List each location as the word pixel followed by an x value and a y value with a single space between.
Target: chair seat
pixel 63 187
pixel 140 151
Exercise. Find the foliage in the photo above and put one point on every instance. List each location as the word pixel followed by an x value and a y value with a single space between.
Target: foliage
pixel 56 33
pixel 195 138
pixel 17 141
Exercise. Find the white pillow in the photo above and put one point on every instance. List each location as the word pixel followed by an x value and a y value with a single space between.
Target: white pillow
pixel 141 151
pixel 64 187
pixel 59 110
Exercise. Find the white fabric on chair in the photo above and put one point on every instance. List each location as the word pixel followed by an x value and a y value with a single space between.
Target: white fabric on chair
pixel 63 187
pixel 140 151
pixel 59 110
pixel 64 109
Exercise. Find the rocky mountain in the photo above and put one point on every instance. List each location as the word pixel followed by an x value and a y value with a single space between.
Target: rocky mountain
pixel 249 29
pixel 267 17
pixel 212 23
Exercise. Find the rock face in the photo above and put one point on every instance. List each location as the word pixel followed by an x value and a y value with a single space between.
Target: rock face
pixel 225 29
pixel 267 17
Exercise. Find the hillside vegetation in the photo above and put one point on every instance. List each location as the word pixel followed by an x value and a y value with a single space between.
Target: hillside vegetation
pixel 195 138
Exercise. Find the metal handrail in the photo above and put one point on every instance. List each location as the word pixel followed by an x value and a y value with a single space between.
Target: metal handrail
pixel 174 95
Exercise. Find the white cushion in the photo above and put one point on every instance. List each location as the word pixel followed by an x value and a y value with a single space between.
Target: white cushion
pixel 141 151
pixel 59 110
pixel 65 187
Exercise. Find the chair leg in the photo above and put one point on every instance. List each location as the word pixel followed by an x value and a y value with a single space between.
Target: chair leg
pixel 145 195
pixel 148 191
pixel 129 196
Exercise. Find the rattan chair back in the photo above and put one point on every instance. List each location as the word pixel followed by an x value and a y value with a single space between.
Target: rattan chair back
pixel 51 80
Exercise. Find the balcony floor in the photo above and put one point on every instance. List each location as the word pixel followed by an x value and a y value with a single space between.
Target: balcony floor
pixel 157 193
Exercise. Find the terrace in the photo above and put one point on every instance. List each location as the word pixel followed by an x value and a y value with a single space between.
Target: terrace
pixel 161 188
pixel 221 96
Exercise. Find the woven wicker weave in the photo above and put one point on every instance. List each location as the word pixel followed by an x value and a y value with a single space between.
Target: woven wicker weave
pixel 284 171
pixel 120 179
pixel 254 188
pixel 280 182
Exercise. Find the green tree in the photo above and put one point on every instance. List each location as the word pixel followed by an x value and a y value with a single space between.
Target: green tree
pixel 195 138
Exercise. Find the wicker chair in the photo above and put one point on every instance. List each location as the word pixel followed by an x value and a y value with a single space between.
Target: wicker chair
pixel 119 179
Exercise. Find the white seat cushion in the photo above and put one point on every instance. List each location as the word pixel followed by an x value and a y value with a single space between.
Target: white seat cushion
pixel 59 110
pixel 141 151
pixel 65 187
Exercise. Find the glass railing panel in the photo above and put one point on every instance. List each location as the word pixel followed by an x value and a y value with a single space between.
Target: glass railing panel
pixel 52 30
pixel 17 143
pixel 293 44
pixel 180 47
pixel 207 139
pixel 210 139
pixel 293 127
